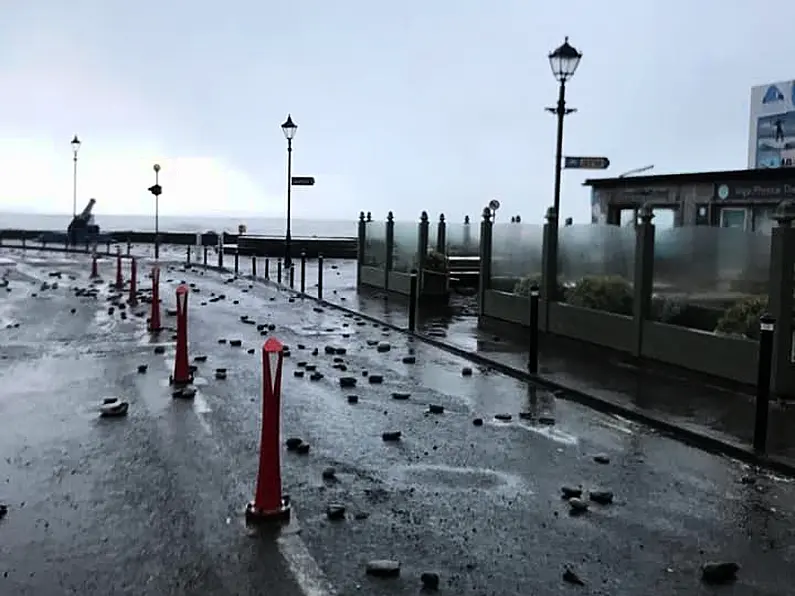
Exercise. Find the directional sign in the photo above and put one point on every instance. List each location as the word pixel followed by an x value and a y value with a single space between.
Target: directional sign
pixel 587 163
pixel 156 190
pixel 303 181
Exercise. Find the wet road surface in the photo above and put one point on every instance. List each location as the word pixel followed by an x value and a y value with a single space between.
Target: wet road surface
pixel 152 503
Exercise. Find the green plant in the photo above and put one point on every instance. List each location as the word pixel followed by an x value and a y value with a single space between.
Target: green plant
pixel 609 293
pixel 742 317
pixel 435 261
pixel 522 287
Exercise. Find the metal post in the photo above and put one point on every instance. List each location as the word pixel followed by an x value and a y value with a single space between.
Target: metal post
pixel 767 326
pixel 292 276
pixel 303 272
pixel 532 357
pixel 267 268
pixel 205 256
pixel 288 257
pixel 253 266
pixel 320 277
pixel 560 112
pixel 187 255
pixel 157 213
pixel 279 271
pixel 237 261
pixel 129 247
pixel 107 247
pixel 74 185
pixel 413 301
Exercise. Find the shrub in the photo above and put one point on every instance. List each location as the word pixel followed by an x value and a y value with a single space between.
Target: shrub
pixel 522 287
pixel 742 318
pixel 435 261
pixel 609 293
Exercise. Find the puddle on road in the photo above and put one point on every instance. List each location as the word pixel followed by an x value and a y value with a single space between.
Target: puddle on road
pixel 550 432
pixel 453 478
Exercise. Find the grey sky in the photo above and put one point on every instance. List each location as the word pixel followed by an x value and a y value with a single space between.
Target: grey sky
pixel 435 105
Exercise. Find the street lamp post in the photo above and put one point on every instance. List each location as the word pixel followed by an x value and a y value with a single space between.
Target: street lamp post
pixel 564 62
pixel 75 148
pixel 157 190
pixel 289 128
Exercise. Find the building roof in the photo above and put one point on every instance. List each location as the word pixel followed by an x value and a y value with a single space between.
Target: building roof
pixel 758 175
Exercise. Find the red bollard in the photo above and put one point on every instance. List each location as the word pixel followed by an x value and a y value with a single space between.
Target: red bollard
pixel 181 369
pixel 119 278
pixel 269 504
pixel 94 271
pixel 133 299
pixel 154 317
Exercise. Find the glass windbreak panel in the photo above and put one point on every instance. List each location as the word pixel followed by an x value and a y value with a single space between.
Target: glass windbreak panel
pixel 596 250
pixel 404 251
pixel 463 240
pixel 516 256
pixel 702 271
pixel 433 234
pixel 375 244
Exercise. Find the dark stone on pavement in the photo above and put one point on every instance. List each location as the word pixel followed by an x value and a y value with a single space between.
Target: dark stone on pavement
pixel 302 449
pixel 160 349
pixel 526 415
pixel 113 407
pixel 603 497
pixel 310 367
pixel 399 395
pixel 478 422
pixel 315 376
pixel 3 510
pixel 383 568
pixel 503 417
pixel 335 512
pixel 719 573
pixel 571 491
pixel 186 392
pixel 347 382
pixel 292 443
pixel 391 436
pixel 546 420
pixel 201 358
pixel 298 373
pixel 430 581
pixel 383 346
pixel 572 578
pixel 601 459
pixel 142 368
pixel 329 473
pixel 251 350
pixel 435 409
pixel 409 359
pixel 353 399
pixel 220 374
pixel 222 341
pixel 376 379
pixel 235 343
pixel 577 506
pixel 466 371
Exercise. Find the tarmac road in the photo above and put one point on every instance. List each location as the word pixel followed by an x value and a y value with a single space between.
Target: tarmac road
pixel 152 504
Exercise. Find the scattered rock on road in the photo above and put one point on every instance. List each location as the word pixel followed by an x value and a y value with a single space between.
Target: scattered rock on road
pixel 430 580
pixel 335 512
pixel 719 573
pixel 435 409
pixel 329 473
pixel 292 443
pixel 601 459
pixel 391 436
pixel 571 492
pixel 383 568
pixel 577 506
pixel 503 417
pixel 603 497
pixel 572 578
pixel 466 371
pixel 478 422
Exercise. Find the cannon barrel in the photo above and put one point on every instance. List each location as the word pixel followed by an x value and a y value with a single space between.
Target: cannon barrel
pixel 85 214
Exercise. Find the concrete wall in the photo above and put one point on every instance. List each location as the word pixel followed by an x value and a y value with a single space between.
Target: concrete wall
pixel 726 357
pixel 373 276
pixel 596 327
pixel 399 282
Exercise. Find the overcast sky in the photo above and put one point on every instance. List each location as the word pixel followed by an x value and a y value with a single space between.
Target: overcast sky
pixel 411 105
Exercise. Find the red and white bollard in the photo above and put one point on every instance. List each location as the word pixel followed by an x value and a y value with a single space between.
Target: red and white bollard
pixel 94 270
pixel 269 503
pixel 119 278
pixel 154 316
pixel 182 374
pixel 133 299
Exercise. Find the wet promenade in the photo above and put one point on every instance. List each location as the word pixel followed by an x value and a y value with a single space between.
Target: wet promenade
pixel 152 504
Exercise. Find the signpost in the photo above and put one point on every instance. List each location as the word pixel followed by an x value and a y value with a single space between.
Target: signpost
pixel 303 181
pixel 586 163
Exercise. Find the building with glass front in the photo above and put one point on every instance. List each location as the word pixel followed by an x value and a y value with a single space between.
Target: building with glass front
pixel 739 199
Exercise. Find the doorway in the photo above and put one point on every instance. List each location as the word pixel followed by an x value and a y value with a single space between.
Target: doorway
pixel 732 217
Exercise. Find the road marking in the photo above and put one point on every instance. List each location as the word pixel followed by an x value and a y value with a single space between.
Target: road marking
pixel 307 573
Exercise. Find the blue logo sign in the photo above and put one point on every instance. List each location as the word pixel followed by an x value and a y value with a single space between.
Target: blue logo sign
pixel 773 95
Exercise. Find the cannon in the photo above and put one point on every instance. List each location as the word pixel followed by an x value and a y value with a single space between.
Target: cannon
pixel 82 227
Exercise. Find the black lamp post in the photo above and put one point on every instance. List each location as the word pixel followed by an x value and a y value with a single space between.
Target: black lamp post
pixel 289 128
pixel 564 62
pixel 157 190
pixel 75 148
